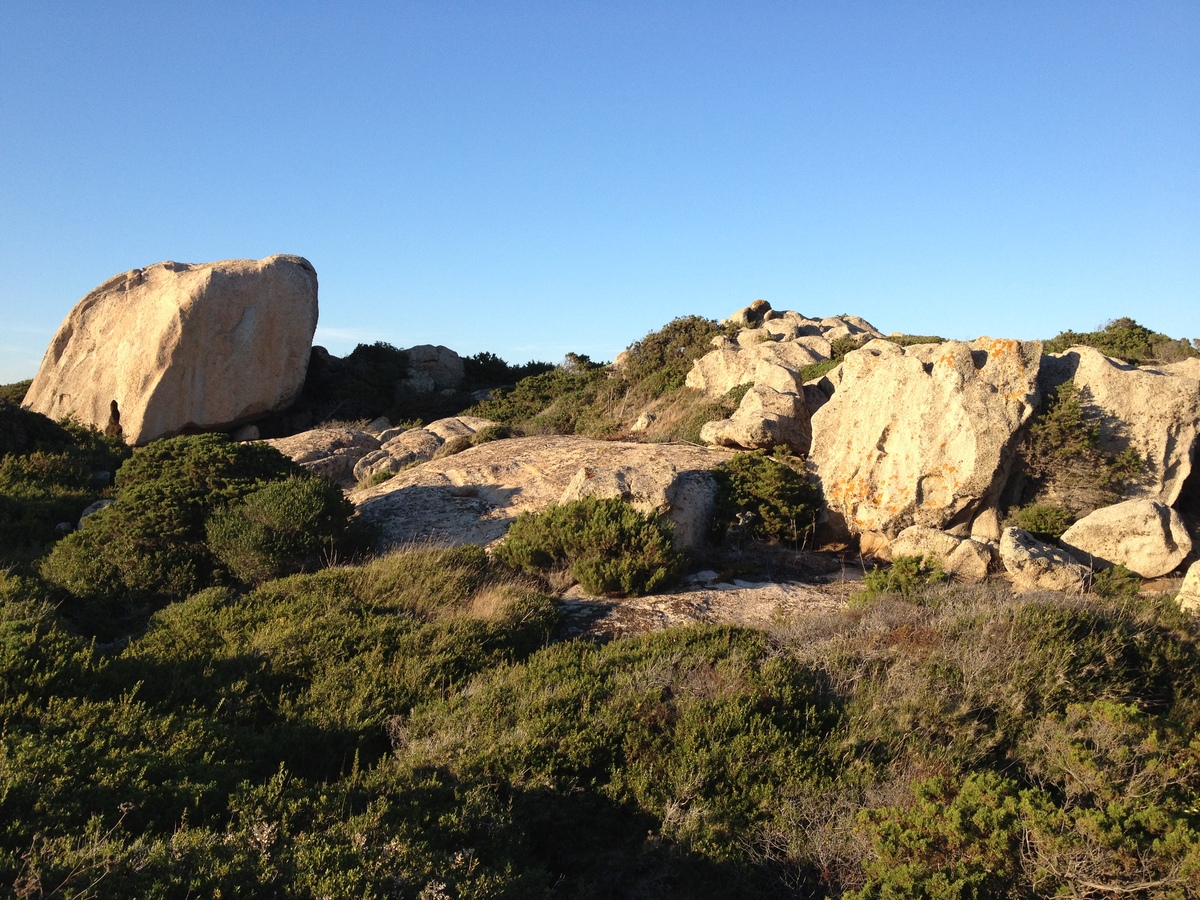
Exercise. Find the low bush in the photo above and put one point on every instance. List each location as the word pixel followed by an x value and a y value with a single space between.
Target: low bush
pixel 765 498
pixel 1045 521
pixel 1126 340
pixel 15 393
pixel 150 546
pixel 1116 582
pixel 606 545
pixel 280 529
pixel 907 576
pixel 662 359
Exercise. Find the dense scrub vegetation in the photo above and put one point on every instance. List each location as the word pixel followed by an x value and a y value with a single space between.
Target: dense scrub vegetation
pixel 765 498
pixel 409 729
pixel 1064 472
pixel 582 397
pixel 606 545
pixel 1125 339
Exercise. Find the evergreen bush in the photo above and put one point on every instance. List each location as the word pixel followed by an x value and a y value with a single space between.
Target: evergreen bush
pixel 605 544
pixel 766 498
pixel 282 528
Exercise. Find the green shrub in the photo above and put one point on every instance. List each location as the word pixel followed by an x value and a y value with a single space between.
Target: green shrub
pixel 282 528
pixel 487 370
pixel 149 546
pixel 908 340
pixel 666 356
pixel 1116 582
pixel 907 576
pixel 1126 340
pixel 556 402
pixel 765 498
pixel 15 392
pixel 1063 453
pixel 1045 521
pixel 49 473
pixel 606 545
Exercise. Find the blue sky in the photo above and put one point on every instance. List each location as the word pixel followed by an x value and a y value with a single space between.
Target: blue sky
pixel 537 178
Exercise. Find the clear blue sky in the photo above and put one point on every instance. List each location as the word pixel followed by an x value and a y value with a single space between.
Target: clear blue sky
pixel 537 178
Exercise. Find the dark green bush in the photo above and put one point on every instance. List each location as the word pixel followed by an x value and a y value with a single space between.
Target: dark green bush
pixel 606 545
pixel 149 546
pixel 487 370
pixel 1116 582
pixel 49 473
pixel 666 356
pixel 1126 340
pixel 556 402
pixel 907 576
pixel 765 498
pixel 15 392
pixel 282 528
pixel 1045 521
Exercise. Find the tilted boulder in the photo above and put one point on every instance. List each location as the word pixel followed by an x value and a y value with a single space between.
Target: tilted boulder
pixel 1036 566
pixel 473 496
pixel 964 558
pixel 1156 411
pixel 1144 536
pixel 176 347
pixel 922 435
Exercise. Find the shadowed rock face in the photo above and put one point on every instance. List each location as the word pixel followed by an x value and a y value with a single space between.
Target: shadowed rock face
pixel 1156 411
pixel 473 496
pixel 183 347
pixel 922 435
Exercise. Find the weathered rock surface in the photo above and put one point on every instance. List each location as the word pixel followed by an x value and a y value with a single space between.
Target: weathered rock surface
pixel 417 445
pixel 1033 565
pixel 1154 410
pixel 433 368
pixel 329 452
pixel 922 435
pixel 181 347
pixel 765 417
pixel 1144 536
pixel 1188 597
pixel 964 558
pixel 473 496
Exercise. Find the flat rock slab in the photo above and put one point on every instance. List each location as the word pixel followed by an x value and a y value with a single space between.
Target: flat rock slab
pixel 738 603
pixel 473 497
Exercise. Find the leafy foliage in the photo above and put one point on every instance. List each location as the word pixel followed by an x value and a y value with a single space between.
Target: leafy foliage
pixel 661 360
pixel 1126 340
pixel 1045 521
pixel 555 402
pixel 907 576
pixel 487 370
pixel 15 393
pixel 1063 455
pixel 49 473
pixel 760 496
pixel 606 545
pixel 150 546
pixel 282 528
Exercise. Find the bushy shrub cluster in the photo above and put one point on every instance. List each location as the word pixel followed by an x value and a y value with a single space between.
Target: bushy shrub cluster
pixel 764 497
pixel 1126 340
pixel 607 546
pixel 660 361
pixel 487 370
pixel 1045 521
pixel 561 401
pixel 1062 454
pixel 907 576
pixel 151 544
pixel 403 729
pixel 49 473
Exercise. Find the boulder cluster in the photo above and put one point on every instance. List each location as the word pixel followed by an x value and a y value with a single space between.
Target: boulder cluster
pixel 916 445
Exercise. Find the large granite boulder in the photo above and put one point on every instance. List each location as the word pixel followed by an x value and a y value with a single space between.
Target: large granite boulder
pixel 922 435
pixel 1156 411
pixel 176 347
pixel 1144 536
pixel 473 496
pixel 433 368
